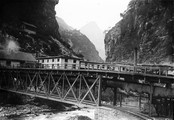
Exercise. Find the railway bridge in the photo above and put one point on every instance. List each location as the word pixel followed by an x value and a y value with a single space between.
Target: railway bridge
pixel 86 86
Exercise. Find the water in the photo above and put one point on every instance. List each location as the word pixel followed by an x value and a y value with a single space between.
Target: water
pixel 20 107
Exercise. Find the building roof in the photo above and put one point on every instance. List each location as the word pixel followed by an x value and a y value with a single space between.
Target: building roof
pixel 61 56
pixel 16 55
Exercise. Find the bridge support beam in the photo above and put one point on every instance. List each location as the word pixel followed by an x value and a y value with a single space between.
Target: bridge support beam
pixel 61 85
pixel 140 102
pixel 99 90
pixel 120 99
pixel 150 99
pixel 115 96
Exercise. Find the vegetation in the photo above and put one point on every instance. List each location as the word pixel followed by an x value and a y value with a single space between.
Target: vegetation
pixel 80 44
pixel 33 26
pixel 146 25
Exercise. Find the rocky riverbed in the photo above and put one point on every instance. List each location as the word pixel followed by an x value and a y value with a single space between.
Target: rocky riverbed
pixel 31 112
pixel 20 107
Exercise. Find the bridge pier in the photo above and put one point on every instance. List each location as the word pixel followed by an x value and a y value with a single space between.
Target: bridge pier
pixel 80 87
pixel 99 90
pixel 150 99
pixel 115 96
pixel 94 90
pixel 140 102
pixel 120 99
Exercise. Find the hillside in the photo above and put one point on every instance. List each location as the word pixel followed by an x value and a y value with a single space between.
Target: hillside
pixel 96 36
pixel 78 42
pixel 146 25
pixel 62 24
pixel 32 25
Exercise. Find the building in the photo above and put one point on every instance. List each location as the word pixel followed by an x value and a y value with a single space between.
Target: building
pixel 59 62
pixel 16 58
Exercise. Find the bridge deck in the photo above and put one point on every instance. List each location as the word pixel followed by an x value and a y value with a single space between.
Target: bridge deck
pixel 76 86
pixel 164 78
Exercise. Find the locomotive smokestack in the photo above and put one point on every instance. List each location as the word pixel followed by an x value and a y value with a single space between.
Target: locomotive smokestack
pixel 135 56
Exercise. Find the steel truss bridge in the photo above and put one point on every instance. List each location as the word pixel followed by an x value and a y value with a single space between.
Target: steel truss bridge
pixel 74 86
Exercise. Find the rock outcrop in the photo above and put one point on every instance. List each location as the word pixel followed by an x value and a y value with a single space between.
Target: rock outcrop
pixel 146 25
pixel 32 24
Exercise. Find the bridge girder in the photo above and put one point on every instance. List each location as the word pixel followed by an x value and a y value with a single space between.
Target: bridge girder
pixel 65 86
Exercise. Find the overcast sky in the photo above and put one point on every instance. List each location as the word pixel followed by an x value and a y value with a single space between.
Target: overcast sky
pixel 77 13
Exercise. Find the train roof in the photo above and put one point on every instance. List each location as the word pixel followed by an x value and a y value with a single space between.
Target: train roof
pixel 157 65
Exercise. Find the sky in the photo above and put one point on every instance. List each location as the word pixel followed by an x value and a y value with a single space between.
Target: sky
pixel 77 13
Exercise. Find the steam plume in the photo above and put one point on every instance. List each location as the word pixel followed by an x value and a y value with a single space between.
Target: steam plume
pixel 11 44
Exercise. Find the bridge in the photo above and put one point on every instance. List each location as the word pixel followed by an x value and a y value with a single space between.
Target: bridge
pixel 85 86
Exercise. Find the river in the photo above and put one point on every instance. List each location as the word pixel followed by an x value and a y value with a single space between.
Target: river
pixel 21 107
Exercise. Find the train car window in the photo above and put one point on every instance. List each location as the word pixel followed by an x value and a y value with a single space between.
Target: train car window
pixel 43 61
pixel 74 61
pixel 66 66
pixel 66 60
pixel 74 66
pixel 98 66
pixel 57 59
pixel 52 60
pixel 47 60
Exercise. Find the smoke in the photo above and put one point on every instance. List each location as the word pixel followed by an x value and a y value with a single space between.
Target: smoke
pixel 10 44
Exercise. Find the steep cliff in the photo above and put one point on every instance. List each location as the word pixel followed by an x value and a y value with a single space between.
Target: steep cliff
pixel 32 24
pixel 78 42
pixel 146 25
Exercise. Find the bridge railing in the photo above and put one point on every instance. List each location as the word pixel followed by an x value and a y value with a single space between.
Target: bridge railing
pixel 161 71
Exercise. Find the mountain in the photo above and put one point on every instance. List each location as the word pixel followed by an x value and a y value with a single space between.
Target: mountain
pixel 146 25
pixel 96 36
pixel 78 42
pixel 62 24
pixel 33 26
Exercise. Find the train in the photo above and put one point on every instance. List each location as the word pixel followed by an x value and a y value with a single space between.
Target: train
pixel 114 67
pixel 73 63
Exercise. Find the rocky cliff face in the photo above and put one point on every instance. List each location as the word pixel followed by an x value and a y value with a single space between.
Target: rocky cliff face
pixel 32 24
pixel 78 42
pixel 146 25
